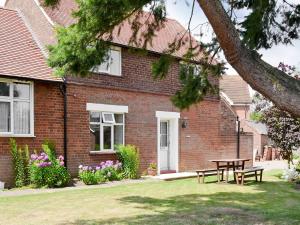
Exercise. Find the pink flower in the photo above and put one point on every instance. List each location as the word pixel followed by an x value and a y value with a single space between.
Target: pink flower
pixel 61 163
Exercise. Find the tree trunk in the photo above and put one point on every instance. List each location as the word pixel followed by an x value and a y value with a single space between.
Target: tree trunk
pixel 274 84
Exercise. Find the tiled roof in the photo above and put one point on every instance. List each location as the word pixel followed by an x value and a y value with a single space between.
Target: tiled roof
pixel 160 42
pixel 236 89
pixel 20 55
pixel 259 127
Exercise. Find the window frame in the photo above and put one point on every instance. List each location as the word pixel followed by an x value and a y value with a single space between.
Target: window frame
pixel 11 100
pixel 108 71
pixel 112 125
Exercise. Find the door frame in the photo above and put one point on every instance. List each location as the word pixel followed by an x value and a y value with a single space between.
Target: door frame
pixel 173 118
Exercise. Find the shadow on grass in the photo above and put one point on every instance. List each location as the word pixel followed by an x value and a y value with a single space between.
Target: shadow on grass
pixel 268 203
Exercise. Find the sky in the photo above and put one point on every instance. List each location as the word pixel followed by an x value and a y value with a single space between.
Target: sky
pixel 181 11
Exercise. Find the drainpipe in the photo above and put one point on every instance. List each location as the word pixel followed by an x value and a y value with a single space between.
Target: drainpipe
pixel 63 89
pixel 238 137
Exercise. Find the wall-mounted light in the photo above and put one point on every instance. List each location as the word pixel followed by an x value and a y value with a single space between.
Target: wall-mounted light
pixel 184 122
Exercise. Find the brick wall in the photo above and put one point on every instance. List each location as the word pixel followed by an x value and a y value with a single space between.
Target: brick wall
pixel 48 123
pixel 137 75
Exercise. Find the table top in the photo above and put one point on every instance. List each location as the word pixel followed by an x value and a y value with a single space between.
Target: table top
pixel 228 160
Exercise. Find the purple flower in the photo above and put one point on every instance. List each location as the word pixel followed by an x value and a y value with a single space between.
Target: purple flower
pixel 40 157
pixel 33 156
pixel 98 167
pixel 61 158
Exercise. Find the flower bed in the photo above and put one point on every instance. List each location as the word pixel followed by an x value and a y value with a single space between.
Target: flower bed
pixel 106 171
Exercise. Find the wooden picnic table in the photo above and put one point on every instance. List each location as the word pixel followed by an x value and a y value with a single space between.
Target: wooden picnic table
pixel 227 164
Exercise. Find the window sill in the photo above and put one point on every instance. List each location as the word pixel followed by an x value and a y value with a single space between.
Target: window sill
pixel 106 73
pixel 18 135
pixel 102 152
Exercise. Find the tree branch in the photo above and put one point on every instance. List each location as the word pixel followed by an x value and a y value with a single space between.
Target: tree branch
pixel 280 88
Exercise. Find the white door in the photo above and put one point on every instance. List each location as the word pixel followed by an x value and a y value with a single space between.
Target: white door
pixel 164 145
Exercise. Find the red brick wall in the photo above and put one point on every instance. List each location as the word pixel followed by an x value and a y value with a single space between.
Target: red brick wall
pixel 203 139
pixel 137 75
pixel 48 124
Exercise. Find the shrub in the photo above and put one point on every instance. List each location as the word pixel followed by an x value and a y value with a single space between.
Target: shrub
pixel 20 163
pixel 298 167
pixel 105 171
pixel 129 157
pixel 88 175
pixel 110 170
pixel 290 175
pixel 48 171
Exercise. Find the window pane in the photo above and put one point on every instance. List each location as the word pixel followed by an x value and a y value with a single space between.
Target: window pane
pixel 163 140
pixel 118 134
pixel 4 89
pixel 115 62
pixel 95 117
pixel 95 137
pixel 163 127
pixel 21 117
pixel 4 117
pixel 119 118
pixel 108 117
pixel 107 143
pixel 21 91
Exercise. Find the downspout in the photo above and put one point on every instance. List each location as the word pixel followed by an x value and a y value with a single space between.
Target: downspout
pixel 63 89
pixel 238 137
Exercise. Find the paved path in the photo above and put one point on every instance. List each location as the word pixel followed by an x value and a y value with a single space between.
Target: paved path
pixel 271 165
pixel 16 192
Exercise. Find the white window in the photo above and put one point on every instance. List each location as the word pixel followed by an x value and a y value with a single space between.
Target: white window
pixel 112 63
pixel 196 68
pixel 16 108
pixel 106 130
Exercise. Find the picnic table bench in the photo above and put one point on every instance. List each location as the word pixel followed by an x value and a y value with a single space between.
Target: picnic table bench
pixel 209 172
pixel 240 175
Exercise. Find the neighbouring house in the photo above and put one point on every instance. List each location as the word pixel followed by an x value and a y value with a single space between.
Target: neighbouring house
pixel 260 136
pixel 119 103
pixel 237 92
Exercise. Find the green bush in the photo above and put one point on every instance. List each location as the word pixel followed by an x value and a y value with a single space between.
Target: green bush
pixel 90 176
pixel 48 171
pixel 298 167
pixel 20 163
pixel 129 157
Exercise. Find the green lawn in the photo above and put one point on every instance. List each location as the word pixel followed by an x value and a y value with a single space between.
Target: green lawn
pixel 173 202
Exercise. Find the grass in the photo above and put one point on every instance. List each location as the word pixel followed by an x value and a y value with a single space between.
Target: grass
pixel 173 202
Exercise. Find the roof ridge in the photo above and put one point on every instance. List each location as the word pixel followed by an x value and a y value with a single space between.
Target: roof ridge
pixel 32 34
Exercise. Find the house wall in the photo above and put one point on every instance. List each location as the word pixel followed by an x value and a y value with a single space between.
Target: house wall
pixel 243 111
pixel 203 139
pixel 48 124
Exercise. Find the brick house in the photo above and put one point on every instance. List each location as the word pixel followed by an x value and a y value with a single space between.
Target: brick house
pixel 118 104
pixel 237 92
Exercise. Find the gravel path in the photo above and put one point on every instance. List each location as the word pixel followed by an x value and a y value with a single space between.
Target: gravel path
pixel 21 192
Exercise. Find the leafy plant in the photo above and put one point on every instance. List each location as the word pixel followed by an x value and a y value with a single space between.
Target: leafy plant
pixel 20 159
pixel 48 171
pixel 107 170
pixel 129 157
pixel 152 166
pixel 88 176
